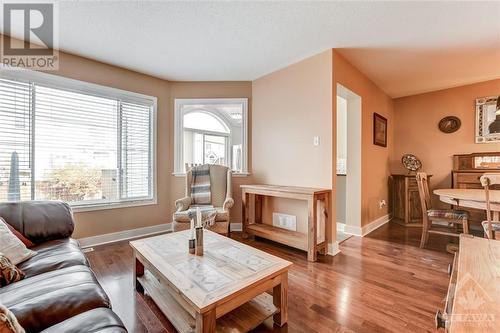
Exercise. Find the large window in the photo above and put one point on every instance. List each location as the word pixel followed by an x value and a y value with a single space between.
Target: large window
pixel 211 131
pixel 62 139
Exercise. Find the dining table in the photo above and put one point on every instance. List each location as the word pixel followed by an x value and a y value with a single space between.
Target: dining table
pixel 471 198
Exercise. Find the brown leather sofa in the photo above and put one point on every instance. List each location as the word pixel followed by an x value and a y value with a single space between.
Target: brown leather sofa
pixel 60 292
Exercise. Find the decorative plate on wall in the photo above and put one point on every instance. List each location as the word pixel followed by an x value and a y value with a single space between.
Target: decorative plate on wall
pixel 411 162
pixel 449 124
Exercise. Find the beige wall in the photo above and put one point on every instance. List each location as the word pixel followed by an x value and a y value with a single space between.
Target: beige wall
pixel 290 107
pixel 113 220
pixel 209 90
pixel 416 129
pixel 375 159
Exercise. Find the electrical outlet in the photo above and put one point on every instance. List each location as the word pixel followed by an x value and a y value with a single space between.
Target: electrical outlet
pixel 285 221
pixel 382 204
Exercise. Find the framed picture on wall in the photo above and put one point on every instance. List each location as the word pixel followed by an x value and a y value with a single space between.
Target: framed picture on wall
pixel 379 130
pixel 488 119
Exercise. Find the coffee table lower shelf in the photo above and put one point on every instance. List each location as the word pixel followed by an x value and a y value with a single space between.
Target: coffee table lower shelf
pixel 243 319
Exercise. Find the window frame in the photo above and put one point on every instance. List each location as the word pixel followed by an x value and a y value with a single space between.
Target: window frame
pixel 83 87
pixel 179 103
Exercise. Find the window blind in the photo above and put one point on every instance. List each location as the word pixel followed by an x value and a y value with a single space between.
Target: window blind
pixel 15 140
pixel 75 146
pixel 136 148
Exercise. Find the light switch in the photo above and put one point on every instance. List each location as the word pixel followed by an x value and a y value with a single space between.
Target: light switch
pixel 316 141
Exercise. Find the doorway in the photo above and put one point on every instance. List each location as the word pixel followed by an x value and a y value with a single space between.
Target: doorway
pixel 348 163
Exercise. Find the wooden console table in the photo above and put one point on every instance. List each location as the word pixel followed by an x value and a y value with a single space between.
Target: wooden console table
pixel 318 202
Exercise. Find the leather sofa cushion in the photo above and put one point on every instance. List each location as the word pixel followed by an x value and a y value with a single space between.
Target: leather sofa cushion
pixel 46 299
pixel 101 320
pixel 54 255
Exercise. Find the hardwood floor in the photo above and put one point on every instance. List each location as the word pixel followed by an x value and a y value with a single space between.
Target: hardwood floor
pixel 380 283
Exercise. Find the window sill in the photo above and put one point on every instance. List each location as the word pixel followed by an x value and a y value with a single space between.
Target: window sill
pixel 104 206
pixel 238 174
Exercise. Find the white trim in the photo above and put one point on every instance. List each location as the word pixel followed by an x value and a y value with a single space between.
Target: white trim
pixel 236 227
pixel 333 249
pixel 179 124
pixel 125 235
pixel 115 205
pixel 354 158
pixel 340 226
pixel 353 230
pixel 365 230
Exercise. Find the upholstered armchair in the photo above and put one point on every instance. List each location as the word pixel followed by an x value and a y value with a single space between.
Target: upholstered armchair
pixel 221 200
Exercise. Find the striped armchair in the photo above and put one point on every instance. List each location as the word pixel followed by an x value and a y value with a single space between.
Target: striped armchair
pixel 221 200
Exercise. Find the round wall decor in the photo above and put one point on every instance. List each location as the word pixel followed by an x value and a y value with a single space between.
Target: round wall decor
pixel 449 124
pixel 411 162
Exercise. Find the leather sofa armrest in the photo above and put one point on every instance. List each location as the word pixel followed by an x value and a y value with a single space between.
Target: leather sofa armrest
pixel 39 221
pixel 182 204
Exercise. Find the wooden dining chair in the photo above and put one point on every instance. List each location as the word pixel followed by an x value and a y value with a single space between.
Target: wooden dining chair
pixel 491 228
pixel 432 217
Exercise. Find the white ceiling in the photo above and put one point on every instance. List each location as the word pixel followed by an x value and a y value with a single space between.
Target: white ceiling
pixel 405 47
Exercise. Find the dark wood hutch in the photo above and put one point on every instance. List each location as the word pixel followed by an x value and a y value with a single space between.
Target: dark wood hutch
pixel 467 169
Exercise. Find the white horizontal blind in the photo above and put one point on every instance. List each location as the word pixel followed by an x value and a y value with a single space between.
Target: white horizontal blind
pixel 75 146
pixel 78 145
pixel 15 140
pixel 136 150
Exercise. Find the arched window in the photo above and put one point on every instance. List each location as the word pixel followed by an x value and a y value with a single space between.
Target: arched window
pixel 205 121
pixel 206 138
pixel 211 131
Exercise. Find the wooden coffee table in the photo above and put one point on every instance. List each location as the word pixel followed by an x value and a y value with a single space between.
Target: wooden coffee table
pixel 222 291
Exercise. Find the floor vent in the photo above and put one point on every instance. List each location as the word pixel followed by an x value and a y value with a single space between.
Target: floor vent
pixel 88 249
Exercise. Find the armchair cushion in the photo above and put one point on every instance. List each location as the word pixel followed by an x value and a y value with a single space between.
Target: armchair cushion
pixel 495 228
pixel 183 216
pixel 448 214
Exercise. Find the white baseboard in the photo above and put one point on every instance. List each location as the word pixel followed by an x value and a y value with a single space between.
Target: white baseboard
pixel 340 226
pixel 352 230
pixel 333 249
pixel 124 235
pixel 363 231
pixel 236 227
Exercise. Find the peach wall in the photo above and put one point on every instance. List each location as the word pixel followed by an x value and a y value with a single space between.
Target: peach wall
pixel 375 169
pixel 290 107
pixel 210 90
pixel 416 129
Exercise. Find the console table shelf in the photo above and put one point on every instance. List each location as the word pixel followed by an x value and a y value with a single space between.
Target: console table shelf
pixel 318 203
pixel 288 237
